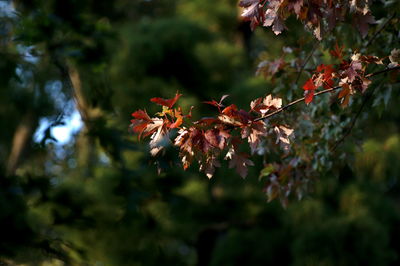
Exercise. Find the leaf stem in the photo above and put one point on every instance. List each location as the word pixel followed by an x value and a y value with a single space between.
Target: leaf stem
pixel 320 93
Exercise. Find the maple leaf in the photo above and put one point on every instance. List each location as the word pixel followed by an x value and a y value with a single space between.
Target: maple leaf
pixel 166 102
pixel 283 133
pixel 345 94
pixel 252 12
pixel 309 90
pixel 263 106
pixel 273 18
pixel 334 13
pixel 196 141
pixel 230 120
pixel 159 137
pixel 271 102
pixel 238 161
pixel 186 153
pixel 360 6
pixel 192 140
pixel 207 121
pixel 327 69
pixel 361 84
pixel 337 51
pixel 217 137
pixel 270 68
pixel 256 105
pixel 352 70
pixel 253 133
pixel 219 104
pixel 181 138
pixel 140 122
pixel 325 78
pixel 296 6
pixel 232 116
pixel 394 58
pixel 208 166
pixel 370 59
pixel 361 21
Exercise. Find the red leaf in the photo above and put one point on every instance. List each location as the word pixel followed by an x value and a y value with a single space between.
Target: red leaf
pixel 327 75
pixel 309 88
pixel 209 166
pixel 141 114
pixel 361 21
pixel 141 121
pixel 309 85
pixel 256 105
pixel 239 161
pixel 213 103
pixel 309 95
pixel 166 102
pixel 231 115
pixel 252 11
pixel 207 121
pixel 217 137
pixel 328 84
pixel 337 51
pixel 230 110
pixel 254 132
pixel 217 104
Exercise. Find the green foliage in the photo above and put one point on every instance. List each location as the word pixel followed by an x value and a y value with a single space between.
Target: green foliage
pixel 98 200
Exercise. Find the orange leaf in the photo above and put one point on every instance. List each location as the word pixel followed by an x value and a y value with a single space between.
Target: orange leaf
pixel 345 91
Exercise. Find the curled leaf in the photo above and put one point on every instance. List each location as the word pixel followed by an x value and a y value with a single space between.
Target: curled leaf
pixel 166 102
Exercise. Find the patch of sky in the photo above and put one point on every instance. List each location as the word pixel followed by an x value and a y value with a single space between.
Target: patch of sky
pixel 6 8
pixel 29 53
pixel 63 127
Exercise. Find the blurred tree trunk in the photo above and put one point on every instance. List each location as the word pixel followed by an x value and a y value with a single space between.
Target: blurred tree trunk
pixel 86 143
pixel 22 136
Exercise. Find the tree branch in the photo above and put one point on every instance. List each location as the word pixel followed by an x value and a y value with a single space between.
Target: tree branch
pixel 380 30
pixel 354 120
pixel 320 93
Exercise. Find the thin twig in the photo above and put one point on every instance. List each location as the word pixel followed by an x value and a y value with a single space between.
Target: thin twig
pixel 380 30
pixel 320 93
pixel 382 71
pixel 306 61
pixel 354 120
pixel 295 102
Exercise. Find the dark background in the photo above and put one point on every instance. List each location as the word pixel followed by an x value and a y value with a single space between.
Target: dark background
pixel 97 199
